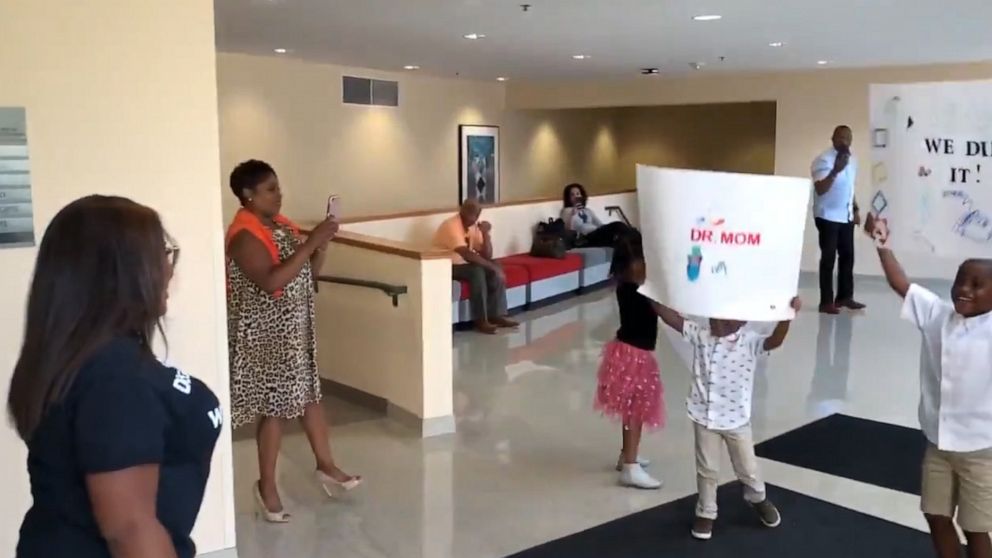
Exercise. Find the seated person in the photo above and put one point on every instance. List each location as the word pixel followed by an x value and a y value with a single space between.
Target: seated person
pixel 589 230
pixel 472 262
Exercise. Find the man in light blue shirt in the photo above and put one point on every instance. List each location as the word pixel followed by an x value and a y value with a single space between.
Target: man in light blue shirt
pixel 836 213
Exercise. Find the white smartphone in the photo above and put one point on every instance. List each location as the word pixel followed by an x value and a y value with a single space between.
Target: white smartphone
pixel 334 206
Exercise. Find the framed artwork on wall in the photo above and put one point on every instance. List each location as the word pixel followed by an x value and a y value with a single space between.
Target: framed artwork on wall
pixel 478 163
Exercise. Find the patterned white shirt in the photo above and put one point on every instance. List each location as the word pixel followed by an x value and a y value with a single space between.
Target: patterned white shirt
pixel 722 376
pixel 955 374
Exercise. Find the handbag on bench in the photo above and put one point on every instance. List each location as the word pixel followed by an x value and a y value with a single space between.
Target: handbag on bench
pixel 550 240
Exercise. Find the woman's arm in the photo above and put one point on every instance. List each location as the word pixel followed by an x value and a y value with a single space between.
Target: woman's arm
pixel 256 262
pixel 567 214
pixel 317 261
pixel 124 506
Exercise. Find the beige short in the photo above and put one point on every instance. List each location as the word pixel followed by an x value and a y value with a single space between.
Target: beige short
pixel 959 481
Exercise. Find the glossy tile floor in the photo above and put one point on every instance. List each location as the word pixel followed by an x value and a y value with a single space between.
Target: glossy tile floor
pixel 532 462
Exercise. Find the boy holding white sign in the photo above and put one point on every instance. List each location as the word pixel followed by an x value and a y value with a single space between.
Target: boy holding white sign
pixel 725 357
pixel 955 398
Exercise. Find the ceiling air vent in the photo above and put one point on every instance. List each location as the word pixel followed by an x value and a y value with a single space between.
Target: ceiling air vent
pixel 365 91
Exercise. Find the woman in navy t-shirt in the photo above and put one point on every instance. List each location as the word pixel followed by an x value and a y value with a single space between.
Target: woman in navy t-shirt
pixel 119 445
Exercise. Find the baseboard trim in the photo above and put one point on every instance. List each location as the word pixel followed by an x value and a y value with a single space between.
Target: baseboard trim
pixel 226 553
pixel 425 428
pixel 354 395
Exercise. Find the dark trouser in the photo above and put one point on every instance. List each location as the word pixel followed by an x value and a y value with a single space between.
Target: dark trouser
pixel 487 292
pixel 836 244
pixel 607 235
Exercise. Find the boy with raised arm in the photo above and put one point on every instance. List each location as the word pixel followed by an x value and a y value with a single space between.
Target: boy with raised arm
pixel 955 400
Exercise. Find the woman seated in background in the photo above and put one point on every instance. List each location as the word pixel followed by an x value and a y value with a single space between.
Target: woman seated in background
pixel 273 346
pixel 581 220
pixel 119 445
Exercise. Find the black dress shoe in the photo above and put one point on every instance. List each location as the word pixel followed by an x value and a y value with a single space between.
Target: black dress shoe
pixel 850 304
pixel 831 309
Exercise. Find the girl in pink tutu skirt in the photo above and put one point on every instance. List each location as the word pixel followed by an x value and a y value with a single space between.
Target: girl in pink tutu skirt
pixel 630 387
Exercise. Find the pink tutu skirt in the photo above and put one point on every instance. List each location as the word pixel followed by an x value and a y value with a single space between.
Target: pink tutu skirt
pixel 630 388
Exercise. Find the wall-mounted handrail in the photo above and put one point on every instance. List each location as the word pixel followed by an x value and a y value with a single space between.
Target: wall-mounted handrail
pixel 611 209
pixel 393 291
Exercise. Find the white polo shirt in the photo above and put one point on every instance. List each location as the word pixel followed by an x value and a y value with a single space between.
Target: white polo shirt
pixel 722 376
pixel 955 372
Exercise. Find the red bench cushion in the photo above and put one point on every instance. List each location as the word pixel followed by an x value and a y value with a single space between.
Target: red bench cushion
pixel 516 276
pixel 545 268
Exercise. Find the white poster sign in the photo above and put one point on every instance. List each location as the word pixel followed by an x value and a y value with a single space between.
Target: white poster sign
pixel 722 245
pixel 932 166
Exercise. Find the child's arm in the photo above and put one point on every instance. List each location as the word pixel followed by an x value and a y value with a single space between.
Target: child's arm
pixel 777 337
pixel 671 318
pixel 894 273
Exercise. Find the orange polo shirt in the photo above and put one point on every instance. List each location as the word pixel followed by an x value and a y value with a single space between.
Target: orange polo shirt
pixel 453 234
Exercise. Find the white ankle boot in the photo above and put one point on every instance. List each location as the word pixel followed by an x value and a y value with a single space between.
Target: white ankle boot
pixel 635 476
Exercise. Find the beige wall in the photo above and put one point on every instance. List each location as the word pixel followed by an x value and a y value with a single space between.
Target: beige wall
pixel 730 137
pixel 399 353
pixel 121 99
pixel 809 105
pixel 386 159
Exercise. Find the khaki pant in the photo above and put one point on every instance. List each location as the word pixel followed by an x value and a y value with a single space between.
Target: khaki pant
pixel 740 445
pixel 959 481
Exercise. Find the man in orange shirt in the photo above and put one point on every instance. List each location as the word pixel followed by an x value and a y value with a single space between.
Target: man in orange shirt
pixel 472 261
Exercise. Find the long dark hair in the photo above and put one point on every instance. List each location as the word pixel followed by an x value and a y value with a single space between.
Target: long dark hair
pixel 566 198
pixel 628 249
pixel 102 272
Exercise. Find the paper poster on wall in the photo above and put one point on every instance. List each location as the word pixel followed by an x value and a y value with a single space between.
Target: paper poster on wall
pixel 932 166
pixel 16 215
pixel 722 245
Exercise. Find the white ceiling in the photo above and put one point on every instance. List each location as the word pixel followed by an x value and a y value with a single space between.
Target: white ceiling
pixel 620 36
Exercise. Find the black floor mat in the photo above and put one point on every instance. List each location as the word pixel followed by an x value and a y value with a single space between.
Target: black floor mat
pixel 871 452
pixel 810 528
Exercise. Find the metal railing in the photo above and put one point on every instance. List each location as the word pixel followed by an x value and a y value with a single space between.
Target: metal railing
pixel 611 209
pixel 393 291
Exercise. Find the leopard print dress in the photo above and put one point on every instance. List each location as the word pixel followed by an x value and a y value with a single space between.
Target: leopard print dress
pixel 273 348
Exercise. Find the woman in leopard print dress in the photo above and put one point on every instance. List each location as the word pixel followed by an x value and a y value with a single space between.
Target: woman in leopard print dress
pixel 271 337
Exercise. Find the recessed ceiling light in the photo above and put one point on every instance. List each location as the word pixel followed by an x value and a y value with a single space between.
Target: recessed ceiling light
pixel 474 36
pixel 650 71
pixel 776 44
pixel 707 17
pixel 411 67
pixel 280 51
pixel 501 78
pixel 822 62
pixel 580 57
pixel 697 65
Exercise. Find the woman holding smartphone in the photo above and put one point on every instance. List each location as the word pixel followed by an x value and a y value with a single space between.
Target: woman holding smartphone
pixel 273 351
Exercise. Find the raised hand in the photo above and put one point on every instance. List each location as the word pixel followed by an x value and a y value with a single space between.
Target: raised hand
pixel 325 231
pixel 840 163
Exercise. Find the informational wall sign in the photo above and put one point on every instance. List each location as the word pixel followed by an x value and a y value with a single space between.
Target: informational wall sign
pixel 722 245
pixel 16 214
pixel 932 166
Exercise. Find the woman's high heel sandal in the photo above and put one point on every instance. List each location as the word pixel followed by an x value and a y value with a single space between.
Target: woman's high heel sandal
pixel 330 485
pixel 271 517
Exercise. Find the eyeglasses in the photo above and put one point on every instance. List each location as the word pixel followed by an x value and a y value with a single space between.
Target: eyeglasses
pixel 171 250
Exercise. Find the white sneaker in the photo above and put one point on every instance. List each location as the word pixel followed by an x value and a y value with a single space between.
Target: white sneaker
pixel 635 476
pixel 640 461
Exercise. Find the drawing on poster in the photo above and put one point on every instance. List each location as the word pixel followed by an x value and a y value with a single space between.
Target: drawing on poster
pixel 930 171
pixel 702 230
